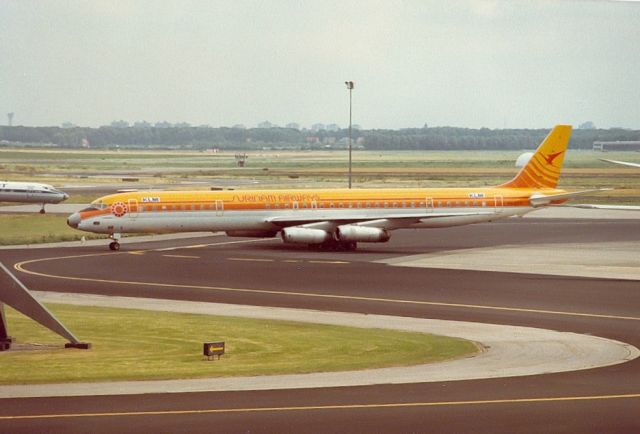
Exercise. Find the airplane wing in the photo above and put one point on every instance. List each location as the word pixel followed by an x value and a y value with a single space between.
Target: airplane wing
pixel 539 199
pixel 610 207
pixel 623 163
pixel 387 222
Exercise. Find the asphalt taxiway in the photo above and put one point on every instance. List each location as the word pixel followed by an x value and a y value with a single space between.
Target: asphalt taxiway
pixel 267 273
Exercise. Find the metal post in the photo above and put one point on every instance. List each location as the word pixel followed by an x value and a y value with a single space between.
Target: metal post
pixel 350 87
pixel 5 339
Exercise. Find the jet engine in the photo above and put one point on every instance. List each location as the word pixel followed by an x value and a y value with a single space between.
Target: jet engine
pixel 362 233
pixel 305 235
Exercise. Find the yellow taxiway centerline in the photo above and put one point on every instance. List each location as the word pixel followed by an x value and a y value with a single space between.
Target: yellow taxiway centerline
pixel 251 259
pixel 182 256
pixel 326 407
pixel 20 267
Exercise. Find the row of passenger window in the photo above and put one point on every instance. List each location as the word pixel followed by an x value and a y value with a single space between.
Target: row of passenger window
pixel 320 205
pixel 15 190
pixel 367 204
pixel 190 207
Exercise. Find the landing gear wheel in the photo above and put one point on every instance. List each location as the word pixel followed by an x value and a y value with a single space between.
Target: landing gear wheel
pixel 114 246
pixel 350 246
pixel 42 211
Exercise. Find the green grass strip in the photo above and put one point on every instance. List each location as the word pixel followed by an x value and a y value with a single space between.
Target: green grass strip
pixel 38 228
pixel 133 344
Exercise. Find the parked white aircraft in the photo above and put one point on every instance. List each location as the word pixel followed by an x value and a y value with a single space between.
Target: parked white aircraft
pixel 30 192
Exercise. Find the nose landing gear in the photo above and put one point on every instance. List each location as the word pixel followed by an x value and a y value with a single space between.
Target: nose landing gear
pixel 114 245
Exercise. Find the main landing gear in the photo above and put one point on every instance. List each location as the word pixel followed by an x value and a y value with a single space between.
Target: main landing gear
pixel 335 246
pixel 42 211
pixel 114 245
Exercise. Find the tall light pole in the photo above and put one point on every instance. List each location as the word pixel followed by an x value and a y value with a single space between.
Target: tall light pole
pixel 350 87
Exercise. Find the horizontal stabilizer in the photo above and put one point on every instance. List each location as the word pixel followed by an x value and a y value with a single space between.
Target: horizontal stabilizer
pixel 539 199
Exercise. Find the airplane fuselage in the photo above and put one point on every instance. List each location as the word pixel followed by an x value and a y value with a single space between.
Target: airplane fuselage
pixel 260 210
pixel 30 192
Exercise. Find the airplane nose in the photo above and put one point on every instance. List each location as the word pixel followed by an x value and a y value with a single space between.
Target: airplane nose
pixel 65 196
pixel 74 220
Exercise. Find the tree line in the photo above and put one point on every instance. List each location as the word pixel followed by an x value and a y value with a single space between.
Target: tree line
pixel 434 138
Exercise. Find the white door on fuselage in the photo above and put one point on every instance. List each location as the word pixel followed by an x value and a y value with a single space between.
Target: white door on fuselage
pixel 429 204
pixel 133 208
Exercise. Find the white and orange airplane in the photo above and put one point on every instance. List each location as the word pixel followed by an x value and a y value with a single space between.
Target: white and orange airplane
pixel 331 218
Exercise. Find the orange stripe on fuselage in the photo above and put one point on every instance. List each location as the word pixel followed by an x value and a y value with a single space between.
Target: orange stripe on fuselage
pixel 283 200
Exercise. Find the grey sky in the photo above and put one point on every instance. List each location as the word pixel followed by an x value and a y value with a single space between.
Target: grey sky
pixel 495 64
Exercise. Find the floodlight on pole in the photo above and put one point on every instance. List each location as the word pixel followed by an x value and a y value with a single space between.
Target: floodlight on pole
pixel 350 87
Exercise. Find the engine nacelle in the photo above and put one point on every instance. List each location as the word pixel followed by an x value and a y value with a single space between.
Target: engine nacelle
pixel 362 233
pixel 305 235
pixel 252 234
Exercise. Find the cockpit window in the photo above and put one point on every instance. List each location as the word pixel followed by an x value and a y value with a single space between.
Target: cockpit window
pixel 97 205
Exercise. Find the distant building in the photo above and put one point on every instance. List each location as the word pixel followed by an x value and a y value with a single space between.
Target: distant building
pixel 66 125
pixel 318 127
pixel 616 146
pixel 329 140
pixel 293 126
pixel 313 139
pixel 333 127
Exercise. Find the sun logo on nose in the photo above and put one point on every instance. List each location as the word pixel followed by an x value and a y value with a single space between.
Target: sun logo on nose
pixel 118 209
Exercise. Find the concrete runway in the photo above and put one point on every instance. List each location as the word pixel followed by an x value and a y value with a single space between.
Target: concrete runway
pixel 267 273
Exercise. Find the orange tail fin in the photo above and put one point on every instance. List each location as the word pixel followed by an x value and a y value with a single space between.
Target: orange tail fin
pixel 543 169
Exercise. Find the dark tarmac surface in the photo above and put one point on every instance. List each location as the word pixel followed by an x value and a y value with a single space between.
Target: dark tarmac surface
pixel 268 273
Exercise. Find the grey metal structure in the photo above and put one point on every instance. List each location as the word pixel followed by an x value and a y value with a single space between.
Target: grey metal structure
pixel 5 339
pixel 617 146
pixel 13 293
